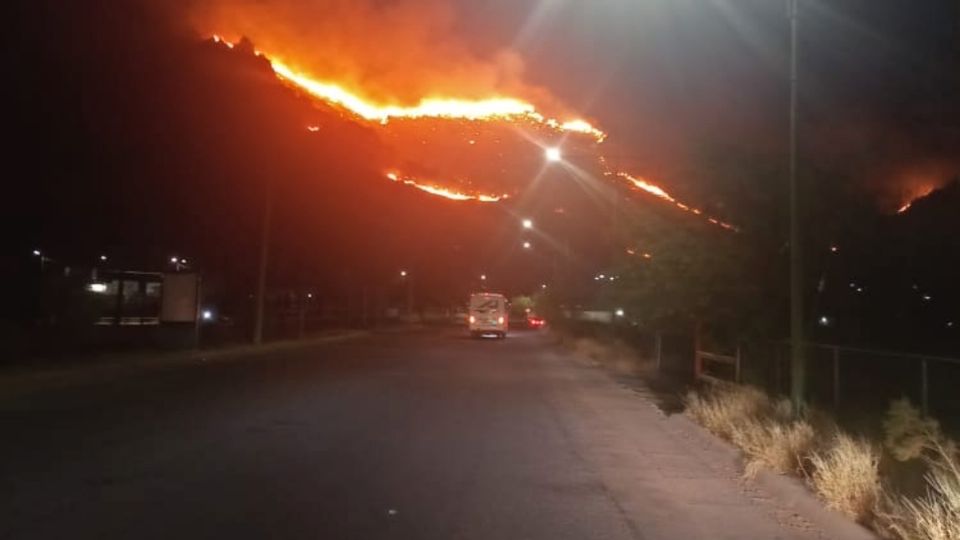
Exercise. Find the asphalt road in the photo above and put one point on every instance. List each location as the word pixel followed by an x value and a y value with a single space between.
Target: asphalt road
pixel 400 436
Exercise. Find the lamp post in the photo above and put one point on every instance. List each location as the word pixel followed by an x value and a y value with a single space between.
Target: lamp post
pixel 405 277
pixel 262 268
pixel 797 360
pixel 554 154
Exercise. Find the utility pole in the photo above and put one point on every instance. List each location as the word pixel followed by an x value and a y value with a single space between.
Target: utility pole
pixel 797 361
pixel 262 276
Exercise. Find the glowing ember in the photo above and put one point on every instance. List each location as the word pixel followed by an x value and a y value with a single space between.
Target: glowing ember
pixel 446 193
pixel 497 108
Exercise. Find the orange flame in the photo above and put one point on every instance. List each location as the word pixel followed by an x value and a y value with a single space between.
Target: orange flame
pixel 446 193
pixel 914 198
pixel 495 108
pixel 657 191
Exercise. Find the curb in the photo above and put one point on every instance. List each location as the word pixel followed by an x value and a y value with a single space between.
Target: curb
pixel 793 492
pixel 16 385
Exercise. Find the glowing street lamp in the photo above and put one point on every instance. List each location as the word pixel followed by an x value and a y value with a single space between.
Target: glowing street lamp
pixel 483 277
pixel 527 223
pixel 403 273
pixel 527 245
pixel 553 154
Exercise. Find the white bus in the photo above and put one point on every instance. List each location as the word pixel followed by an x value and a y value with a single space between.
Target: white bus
pixel 488 313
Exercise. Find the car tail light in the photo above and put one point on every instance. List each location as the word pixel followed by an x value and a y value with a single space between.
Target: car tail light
pixel 473 319
pixel 500 320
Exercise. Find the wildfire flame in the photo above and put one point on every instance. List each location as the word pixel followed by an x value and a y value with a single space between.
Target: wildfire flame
pixel 446 193
pixel 496 108
pixel 492 109
pixel 657 191
pixel 914 198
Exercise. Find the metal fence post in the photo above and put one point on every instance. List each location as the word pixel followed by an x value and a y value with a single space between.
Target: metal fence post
pixel 924 388
pixel 836 378
pixel 697 360
pixel 658 349
pixel 777 361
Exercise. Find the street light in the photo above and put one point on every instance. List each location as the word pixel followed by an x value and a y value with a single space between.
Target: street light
pixel 527 245
pixel 553 154
pixel 798 366
pixel 527 223
pixel 43 258
pixel 103 258
pixel 409 283
pixel 483 277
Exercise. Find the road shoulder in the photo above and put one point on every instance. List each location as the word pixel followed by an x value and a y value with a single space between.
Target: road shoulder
pixel 685 461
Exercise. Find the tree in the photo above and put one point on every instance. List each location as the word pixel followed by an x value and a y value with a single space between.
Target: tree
pixel 681 269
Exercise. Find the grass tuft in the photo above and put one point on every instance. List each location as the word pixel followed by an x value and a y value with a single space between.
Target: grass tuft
pixel 769 444
pixel 723 408
pixel 846 475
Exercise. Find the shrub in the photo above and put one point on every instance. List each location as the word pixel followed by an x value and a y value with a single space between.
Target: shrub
pixel 846 475
pixel 936 515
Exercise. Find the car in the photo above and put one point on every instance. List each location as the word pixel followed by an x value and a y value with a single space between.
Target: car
pixel 488 314
pixel 535 322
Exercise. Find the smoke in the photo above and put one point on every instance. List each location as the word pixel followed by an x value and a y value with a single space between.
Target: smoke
pixel 390 51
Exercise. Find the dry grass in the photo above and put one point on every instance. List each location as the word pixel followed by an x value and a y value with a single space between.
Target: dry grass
pixel 724 408
pixel 770 444
pixel 760 426
pixel 935 516
pixel 844 471
pixel 846 475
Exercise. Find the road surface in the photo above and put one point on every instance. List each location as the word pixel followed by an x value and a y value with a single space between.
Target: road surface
pixel 394 436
